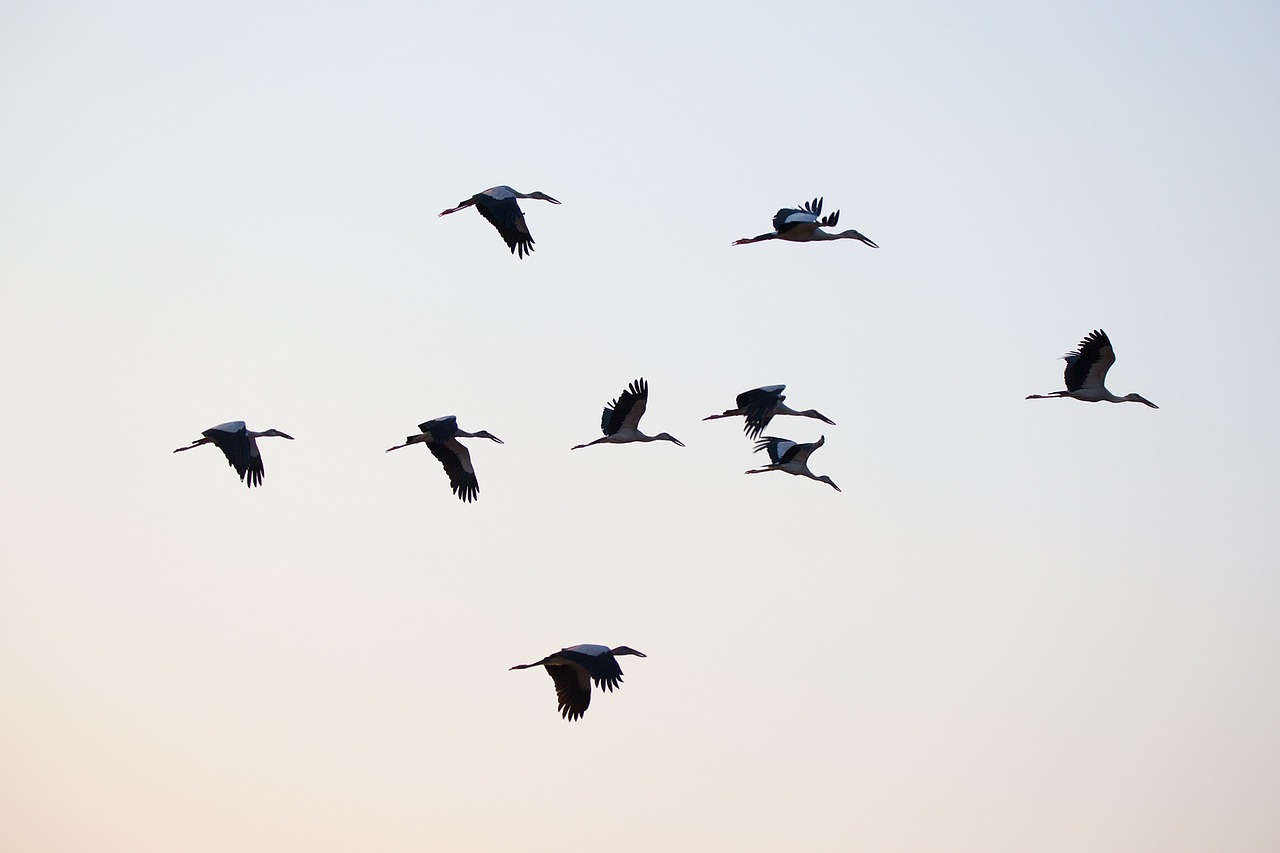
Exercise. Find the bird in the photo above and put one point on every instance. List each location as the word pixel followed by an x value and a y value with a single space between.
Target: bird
pixel 240 445
pixel 759 405
pixel 573 669
pixel 499 206
pixel 441 435
pixel 805 224
pixel 786 455
pixel 621 418
pixel 1087 370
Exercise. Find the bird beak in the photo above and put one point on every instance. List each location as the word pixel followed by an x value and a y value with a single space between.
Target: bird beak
pixel 867 241
pixel 552 200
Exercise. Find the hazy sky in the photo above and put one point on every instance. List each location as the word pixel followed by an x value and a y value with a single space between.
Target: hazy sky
pixel 1023 625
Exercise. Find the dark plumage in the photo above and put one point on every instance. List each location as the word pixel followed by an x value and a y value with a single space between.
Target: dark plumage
pixel 240 445
pixel 499 205
pixel 620 422
pixel 1086 373
pixel 791 458
pixel 441 435
pixel 759 405
pixel 804 224
pixel 573 669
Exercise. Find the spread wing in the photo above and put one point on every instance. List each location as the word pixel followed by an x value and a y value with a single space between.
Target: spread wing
pixel 505 215
pixel 241 451
pixel 1087 367
pixel 757 406
pixel 456 460
pixel 626 411
pixel 573 688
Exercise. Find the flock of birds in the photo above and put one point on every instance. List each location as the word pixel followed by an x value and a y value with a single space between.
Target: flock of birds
pixel 575 668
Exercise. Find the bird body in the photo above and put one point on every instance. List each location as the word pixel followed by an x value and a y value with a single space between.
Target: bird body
pixel 1086 373
pixel 441 435
pixel 574 668
pixel 790 457
pixel 501 207
pixel 805 224
pixel 759 405
pixel 621 419
pixel 240 445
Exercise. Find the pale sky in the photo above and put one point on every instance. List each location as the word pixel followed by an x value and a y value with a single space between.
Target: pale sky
pixel 1023 625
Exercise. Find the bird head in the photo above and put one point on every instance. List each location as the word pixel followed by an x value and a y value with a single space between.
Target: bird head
pixel 857 236
pixel 484 433
pixel 825 479
pixel 538 194
pixel 1138 398
pixel 666 436
pixel 280 434
pixel 627 650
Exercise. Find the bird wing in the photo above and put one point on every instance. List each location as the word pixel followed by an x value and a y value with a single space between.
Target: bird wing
pixel 573 687
pixel 757 406
pixel 626 411
pixel 505 215
pixel 789 219
pixel 603 668
pixel 240 449
pixel 456 460
pixel 778 448
pixel 1087 367
pixel 441 429
pixel 798 453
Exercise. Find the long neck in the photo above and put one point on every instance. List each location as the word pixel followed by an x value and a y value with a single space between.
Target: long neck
pixel 662 436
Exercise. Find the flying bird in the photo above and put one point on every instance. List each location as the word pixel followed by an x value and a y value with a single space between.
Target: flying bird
pixel 499 206
pixel 805 224
pixel 621 418
pixel 441 435
pixel 573 669
pixel 1086 371
pixel 240 445
pixel 790 457
pixel 759 405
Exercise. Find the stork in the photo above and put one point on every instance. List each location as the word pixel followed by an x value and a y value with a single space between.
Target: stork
pixel 759 405
pixel 240 445
pixel 441 435
pixel 790 457
pixel 499 206
pixel 621 418
pixel 1087 370
pixel 573 669
pixel 805 225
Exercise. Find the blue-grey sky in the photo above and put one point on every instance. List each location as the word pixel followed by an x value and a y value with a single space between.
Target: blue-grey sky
pixel 1023 625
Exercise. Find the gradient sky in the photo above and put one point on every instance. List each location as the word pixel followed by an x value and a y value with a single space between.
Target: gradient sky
pixel 1038 625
